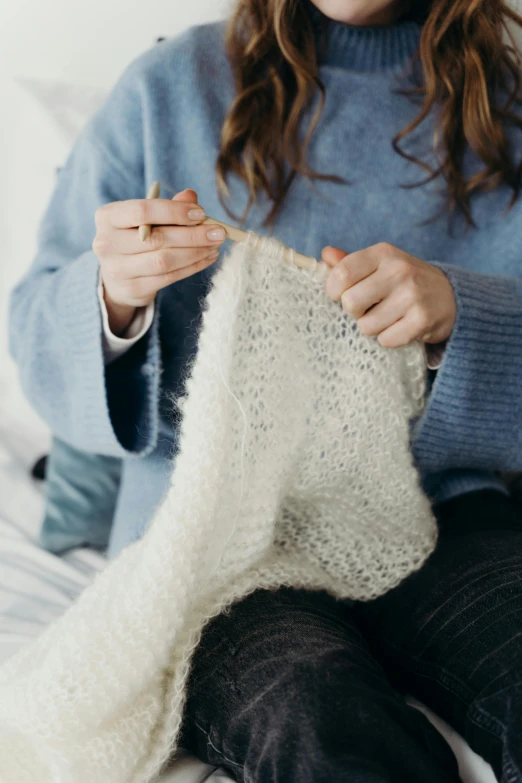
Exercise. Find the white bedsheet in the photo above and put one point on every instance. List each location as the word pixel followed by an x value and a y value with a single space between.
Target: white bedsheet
pixel 36 587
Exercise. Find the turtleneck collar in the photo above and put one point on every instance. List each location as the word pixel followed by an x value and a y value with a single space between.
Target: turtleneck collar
pixel 378 48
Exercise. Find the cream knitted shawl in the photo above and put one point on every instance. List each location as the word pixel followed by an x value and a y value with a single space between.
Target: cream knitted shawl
pixel 294 468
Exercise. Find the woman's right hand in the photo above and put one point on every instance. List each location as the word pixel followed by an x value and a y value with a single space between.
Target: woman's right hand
pixel 133 271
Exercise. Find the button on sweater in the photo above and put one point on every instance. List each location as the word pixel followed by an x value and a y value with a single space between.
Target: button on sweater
pixel 162 121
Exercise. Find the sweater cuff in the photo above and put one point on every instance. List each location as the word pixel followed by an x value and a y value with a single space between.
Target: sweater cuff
pixel 93 427
pixel 472 417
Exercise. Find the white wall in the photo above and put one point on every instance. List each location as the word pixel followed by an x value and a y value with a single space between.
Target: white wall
pixel 90 41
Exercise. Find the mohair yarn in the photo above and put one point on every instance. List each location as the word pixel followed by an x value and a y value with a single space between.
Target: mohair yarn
pixel 294 468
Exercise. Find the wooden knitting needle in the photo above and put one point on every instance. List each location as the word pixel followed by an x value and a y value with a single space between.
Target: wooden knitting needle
pixel 290 256
pixel 153 192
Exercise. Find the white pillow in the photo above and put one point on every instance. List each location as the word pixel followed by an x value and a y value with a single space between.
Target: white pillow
pixel 44 119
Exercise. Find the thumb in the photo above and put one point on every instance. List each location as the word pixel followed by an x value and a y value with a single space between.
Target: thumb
pixel 186 195
pixel 332 255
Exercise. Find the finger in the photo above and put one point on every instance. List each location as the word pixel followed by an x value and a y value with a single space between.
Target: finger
pixel 350 270
pixel 157 211
pixel 155 263
pixel 382 314
pixel 161 237
pixel 368 292
pixel 146 285
pixel 186 195
pixel 402 332
pixel 332 255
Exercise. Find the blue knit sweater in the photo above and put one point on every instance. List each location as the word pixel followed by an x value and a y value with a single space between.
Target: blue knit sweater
pixel 162 121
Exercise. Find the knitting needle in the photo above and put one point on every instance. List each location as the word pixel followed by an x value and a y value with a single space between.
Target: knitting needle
pixel 153 192
pixel 289 255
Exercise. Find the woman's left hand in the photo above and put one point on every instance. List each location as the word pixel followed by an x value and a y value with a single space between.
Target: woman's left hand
pixel 392 295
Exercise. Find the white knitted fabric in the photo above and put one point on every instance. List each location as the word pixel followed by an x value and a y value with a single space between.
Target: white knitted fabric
pixel 294 468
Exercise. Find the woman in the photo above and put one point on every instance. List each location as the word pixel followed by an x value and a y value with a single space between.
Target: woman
pixel 292 685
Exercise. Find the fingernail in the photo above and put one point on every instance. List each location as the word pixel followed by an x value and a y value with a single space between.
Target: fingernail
pixel 196 214
pixel 216 233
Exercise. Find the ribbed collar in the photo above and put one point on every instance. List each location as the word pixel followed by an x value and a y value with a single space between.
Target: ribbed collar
pixel 378 48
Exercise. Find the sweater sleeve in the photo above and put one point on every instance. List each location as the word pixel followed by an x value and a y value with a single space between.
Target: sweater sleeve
pixel 472 417
pixel 55 323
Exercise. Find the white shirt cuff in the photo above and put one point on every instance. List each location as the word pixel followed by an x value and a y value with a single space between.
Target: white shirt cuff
pixel 114 346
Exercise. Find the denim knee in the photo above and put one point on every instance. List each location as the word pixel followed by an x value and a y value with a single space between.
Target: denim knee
pixel 495 718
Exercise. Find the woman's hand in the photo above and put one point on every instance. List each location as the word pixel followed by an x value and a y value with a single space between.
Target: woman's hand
pixel 133 271
pixel 392 295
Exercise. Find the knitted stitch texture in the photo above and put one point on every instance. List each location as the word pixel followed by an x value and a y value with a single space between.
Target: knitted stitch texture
pixel 294 469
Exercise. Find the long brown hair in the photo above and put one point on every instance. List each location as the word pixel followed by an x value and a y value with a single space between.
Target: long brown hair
pixel 466 65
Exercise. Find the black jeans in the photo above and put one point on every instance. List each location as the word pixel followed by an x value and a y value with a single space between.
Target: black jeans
pixel 294 686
